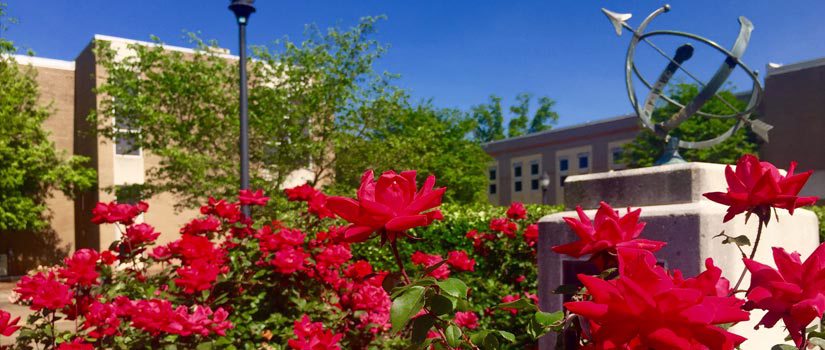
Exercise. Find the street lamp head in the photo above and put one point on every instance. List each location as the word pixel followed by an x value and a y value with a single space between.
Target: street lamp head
pixel 242 9
pixel 544 181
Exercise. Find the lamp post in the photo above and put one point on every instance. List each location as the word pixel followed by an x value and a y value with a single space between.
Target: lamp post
pixel 544 182
pixel 243 9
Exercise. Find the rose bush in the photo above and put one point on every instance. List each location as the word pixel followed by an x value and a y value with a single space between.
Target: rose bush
pixel 354 273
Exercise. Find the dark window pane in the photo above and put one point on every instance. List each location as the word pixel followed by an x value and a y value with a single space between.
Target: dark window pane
pixel 561 180
pixel 583 162
pixel 125 145
pixel 517 171
pixel 492 174
pixel 518 186
pixel 534 184
pixel 564 165
pixel 617 155
pixel 492 188
pixel 534 169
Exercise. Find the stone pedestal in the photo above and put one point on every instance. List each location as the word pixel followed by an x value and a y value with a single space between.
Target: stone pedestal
pixel 672 204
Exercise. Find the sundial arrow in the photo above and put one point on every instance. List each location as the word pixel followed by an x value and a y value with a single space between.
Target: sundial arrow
pixel 618 20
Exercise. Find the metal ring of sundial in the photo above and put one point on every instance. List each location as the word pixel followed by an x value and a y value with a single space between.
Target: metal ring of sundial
pixel 708 90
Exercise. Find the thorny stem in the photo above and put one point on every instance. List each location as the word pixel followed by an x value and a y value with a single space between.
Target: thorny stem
pixel 394 248
pixel 753 254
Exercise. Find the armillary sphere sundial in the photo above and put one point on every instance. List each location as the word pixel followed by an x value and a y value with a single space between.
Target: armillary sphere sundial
pixel 707 90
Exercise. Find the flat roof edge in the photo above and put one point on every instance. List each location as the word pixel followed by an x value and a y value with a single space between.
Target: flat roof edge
pixel 562 129
pixel 787 68
pixel 222 52
pixel 44 62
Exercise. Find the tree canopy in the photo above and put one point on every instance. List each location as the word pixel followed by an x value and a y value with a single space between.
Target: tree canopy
pixel 647 147
pixel 318 104
pixel 31 169
pixel 489 118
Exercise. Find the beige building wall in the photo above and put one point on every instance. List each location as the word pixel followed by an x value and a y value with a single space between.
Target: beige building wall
pixel 571 161
pixel 29 249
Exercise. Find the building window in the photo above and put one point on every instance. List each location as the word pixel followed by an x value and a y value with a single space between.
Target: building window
pixel 564 164
pixel 534 184
pixel 492 174
pixel 517 170
pixel 561 180
pixel 534 168
pixel 517 186
pixel 492 188
pixel 584 161
pixel 616 153
pixel 126 137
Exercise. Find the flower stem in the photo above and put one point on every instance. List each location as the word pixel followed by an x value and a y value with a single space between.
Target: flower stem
pixel 753 254
pixel 394 248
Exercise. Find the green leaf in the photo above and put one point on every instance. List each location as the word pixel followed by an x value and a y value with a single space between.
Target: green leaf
pixel 405 306
pixel 783 347
pixel 204 346
pixel 817 341
pixel 440 305
pixel 453 334
pixel 507 336
pixel 420 327
pixel 432 268
pixel 518 305
pixel 738 240
pixel 454 287
pixel 548 318
pixel 391 281
pixel 566 289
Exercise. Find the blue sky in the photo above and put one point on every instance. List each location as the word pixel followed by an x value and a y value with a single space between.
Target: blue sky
pixel 456 52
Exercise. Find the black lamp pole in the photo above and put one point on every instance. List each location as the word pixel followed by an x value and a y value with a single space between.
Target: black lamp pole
pixel 243 9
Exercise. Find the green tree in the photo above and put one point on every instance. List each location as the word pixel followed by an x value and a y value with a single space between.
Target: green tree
pixel 520 111
pixel 31 169
pixel 545 116
pixel 489 120
pixel 421 137
pixel 647 147
pixel 317 105
pixel 302 98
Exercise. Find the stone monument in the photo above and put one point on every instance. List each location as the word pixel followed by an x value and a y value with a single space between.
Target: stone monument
pixel 670 195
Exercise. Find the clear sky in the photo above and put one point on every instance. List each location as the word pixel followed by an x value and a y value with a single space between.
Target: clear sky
pixel 456 52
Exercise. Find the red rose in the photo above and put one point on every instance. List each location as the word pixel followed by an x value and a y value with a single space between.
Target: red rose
pixel 301 193
pixel 197 277
pixel 466 319
pixel 81 268
pixel 795 292
pixel 117 213
pixel 107 257
pixel 531 234
pixel 8 327
pixel 391 205
pixel 430 260
pixel 359 270
pixel 756 187
pixel 139 234
pixel 247 197
pixel 600 238
pixel 505 226
pixel 44 291
pixel 289 260
pixel 312 336
pixel 645 308
pixel 459 260
pixel 517 211
pixel 76 344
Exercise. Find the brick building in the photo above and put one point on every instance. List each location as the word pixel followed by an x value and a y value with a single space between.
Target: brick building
pixel 794 103
pixel 69 88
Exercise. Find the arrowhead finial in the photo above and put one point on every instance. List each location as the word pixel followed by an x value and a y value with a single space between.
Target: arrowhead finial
pixel 618 19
